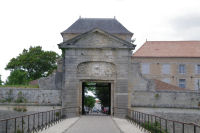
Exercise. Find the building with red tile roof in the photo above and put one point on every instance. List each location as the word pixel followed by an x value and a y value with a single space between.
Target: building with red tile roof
pixel 174 62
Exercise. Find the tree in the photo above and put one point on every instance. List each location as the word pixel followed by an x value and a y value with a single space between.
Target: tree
pixel 89 101
pixel 34 62
pixel 102 93
pixel 1 82
pixel 17 77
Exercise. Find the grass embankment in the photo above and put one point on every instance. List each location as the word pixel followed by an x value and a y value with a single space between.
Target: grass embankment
pixel 19 86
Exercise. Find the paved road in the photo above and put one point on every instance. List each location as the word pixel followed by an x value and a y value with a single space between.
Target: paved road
pixel 94 124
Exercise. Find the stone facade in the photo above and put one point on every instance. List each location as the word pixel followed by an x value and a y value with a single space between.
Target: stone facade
pixel 173 76
pixel 99 57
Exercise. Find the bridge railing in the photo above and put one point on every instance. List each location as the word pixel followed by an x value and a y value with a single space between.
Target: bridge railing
pixel 34 122
pixel 157 124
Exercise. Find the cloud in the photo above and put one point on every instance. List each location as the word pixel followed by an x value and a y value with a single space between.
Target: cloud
pixel 187 26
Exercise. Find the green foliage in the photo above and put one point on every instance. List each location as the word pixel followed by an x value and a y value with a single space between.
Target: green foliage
pixel 34 63
pixel 57 114
pixel 1 82
pixel 102 94
pixel 153 127
pixel 157 95
pixel 20 108
pixel 17 77
pixel 89 101
pixel 89 87
pixel 20 86
pixel 19 131
pixel 10 96
pixel 20 98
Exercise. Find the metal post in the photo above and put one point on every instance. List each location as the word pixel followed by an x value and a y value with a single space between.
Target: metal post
pixel 139 118
pixel 173 127
pixel 15 126
pixel 148 121
pixel 165 125
pixel 6 126
pixel 42 119
pixel 38 120
pixel 22 123
pixel 160 125
pixel 194 129
pixel 49 116
pixel 183 128
pixel 33 122
pixel 28 124
pixel 46 119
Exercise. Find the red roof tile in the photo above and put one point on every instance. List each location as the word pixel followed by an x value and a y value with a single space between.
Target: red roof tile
pixel 169 49
pixel 165 86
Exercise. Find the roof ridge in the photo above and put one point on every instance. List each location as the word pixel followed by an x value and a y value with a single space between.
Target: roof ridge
pixel 97 18
pixel 169 49
pixel 176 41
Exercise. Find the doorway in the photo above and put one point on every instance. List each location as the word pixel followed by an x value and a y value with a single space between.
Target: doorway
pixel 96 98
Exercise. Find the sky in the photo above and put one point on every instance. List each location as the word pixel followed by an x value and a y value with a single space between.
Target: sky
pixel 25 23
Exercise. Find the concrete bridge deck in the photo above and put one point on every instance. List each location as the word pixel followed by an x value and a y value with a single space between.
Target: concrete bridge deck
pixel 93 124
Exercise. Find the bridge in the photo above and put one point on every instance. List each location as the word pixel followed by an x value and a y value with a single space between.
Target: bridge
pixel 94 124
pixel 55 121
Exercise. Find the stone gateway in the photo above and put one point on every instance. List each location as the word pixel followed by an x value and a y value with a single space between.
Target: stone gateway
pixel 96 56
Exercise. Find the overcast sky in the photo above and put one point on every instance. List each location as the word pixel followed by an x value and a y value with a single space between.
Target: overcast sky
pixel 25 23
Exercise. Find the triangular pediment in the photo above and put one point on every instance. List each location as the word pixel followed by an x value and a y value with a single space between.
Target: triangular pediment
pixel 96 38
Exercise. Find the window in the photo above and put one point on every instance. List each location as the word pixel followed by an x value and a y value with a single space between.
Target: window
pixel 197 84
pixel 182 69
pixel 198 69
pixel 182 83
pixel 145 68
pixel 166 69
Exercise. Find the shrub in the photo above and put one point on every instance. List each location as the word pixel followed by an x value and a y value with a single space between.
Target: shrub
pixel 57 114
pixel 20 98
pixel 19 131
pixel 20 109
pixel 153 127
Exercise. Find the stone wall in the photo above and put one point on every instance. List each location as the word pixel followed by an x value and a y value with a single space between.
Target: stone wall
pixel 169 99
pixel 31 96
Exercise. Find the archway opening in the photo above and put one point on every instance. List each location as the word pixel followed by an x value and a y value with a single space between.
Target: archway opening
pixel 96 98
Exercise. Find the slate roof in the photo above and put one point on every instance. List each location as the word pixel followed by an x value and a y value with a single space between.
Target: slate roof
pixel 169 49
pixel 110 25
pixel 160 85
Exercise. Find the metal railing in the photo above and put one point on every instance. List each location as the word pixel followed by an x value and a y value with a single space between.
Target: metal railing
pixel 157 124
pixel 33 122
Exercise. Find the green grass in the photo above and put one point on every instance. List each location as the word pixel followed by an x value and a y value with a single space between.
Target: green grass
pixel 19 86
